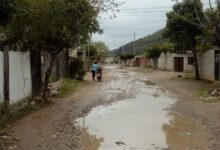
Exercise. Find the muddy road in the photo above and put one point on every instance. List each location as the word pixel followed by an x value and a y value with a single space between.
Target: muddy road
pixel 127 111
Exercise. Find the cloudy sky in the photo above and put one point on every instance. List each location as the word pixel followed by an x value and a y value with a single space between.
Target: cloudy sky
pixel 142 17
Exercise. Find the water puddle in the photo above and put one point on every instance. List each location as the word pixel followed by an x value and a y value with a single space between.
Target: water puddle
pixel 185 134
pixel 141 120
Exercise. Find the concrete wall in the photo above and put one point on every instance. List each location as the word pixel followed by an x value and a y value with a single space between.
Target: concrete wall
pixel 162 61
pixel 166 61
pixel 207 64
pixel 150 63
pixel 20 76
pixel 59 69
pixel 73 53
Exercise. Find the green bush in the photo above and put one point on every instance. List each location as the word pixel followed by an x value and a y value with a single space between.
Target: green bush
pixel 76 69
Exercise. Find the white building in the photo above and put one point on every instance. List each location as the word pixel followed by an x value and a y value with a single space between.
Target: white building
pixel 176 62
pixel 209 64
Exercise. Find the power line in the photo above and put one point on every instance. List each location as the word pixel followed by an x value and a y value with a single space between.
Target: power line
pixel 144 29
pixel 129 35
pixel 149 11
pixel 127 25
pixel 146 8
pixel 141 14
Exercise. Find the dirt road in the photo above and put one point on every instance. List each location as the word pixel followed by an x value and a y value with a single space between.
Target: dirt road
pixel 128 110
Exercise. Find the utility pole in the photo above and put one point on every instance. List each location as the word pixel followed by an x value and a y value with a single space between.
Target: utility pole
pixel 134 43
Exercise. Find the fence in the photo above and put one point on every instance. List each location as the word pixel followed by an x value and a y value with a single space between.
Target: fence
pixel 20 85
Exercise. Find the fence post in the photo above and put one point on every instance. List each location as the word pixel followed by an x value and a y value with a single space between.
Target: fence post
pixel 6 81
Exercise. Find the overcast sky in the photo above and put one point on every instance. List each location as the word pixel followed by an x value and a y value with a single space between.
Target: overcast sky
pixel 142 17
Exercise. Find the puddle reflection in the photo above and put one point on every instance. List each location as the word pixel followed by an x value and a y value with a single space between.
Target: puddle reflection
pixel 89 142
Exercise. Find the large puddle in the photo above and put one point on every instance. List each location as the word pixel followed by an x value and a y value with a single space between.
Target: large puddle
pixel 138 118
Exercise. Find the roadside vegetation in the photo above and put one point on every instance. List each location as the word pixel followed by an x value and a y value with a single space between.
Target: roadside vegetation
pixel 17 111
pixel 49 27
pixel 68 87
pixel 20 110
pixel 209 93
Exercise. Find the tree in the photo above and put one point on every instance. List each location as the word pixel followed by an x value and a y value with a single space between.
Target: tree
pixel 210 21
pixel 127 56
pixel 6 11
pixel 182 28
pixel 50 26
pixel 101 50
pixel 154 53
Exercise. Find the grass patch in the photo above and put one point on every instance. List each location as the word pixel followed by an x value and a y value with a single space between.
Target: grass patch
pixel 68 87
pixel 189 77
pixel 17 112
pixel 203 92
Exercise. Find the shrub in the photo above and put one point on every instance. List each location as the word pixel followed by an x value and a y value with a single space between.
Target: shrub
pixel 76 69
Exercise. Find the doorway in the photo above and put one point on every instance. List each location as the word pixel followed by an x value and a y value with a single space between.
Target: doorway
pixel 178 64
pixel 217 65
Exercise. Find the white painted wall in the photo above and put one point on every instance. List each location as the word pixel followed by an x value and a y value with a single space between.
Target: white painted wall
pixel 166 61
pixel 162 61
pixel 207 64
pixel 20 75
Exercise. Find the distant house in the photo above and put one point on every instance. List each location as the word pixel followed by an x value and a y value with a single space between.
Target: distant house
pixel 176 62
pixel 73 53
pixel 140 61
pixel 60 68
pixel 109 60
pixel 127 62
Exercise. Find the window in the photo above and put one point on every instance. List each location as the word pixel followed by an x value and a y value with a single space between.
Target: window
pixel 190 60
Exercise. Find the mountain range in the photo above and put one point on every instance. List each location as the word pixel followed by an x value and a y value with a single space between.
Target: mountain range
pixel 140 44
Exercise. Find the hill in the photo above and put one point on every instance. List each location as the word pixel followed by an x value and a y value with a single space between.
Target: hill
pixel 141 44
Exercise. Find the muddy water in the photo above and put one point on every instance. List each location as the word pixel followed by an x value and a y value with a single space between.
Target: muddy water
pixel 137 117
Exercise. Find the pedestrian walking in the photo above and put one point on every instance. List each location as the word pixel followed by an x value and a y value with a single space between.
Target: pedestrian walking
pixel 94 70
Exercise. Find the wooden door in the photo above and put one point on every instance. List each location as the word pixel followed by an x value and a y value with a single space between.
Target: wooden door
pixel 178 64
pixel 217 65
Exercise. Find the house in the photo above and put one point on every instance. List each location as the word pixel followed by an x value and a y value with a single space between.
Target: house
pixel 176 62
pixel 209 64
pixel 127 62
pixel 60 68
pixel 73 53
pixel 140 61
pixel 109 60
pixel 83 54
pixel 208 61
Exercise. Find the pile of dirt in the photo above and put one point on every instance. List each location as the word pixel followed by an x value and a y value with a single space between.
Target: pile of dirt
pixel 54 88
pixel 213 94
pixel 8 143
